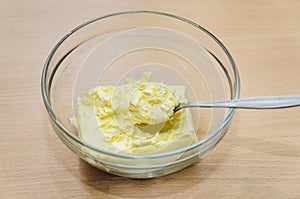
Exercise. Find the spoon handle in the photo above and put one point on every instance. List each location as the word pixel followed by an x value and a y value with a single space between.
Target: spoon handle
pixel 271 102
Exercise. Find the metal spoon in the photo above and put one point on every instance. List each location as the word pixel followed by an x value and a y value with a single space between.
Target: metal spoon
pixel 272 102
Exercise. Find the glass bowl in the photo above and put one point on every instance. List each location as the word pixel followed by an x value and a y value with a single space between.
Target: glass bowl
pixel 111 48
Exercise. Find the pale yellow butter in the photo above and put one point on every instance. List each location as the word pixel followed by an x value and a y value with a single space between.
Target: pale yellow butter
pixel 135 118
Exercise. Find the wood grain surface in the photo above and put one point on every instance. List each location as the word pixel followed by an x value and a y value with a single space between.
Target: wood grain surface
pixel 258 158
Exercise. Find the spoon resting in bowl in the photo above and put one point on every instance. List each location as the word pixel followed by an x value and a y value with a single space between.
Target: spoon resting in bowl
pixel 153 103
pixel 270 102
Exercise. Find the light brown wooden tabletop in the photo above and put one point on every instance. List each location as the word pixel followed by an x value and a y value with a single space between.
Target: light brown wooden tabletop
pixel 258 158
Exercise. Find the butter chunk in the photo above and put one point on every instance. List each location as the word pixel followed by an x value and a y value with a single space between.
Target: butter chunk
pixel 135 118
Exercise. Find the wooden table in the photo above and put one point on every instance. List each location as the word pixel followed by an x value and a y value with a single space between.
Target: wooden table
pixel 258 158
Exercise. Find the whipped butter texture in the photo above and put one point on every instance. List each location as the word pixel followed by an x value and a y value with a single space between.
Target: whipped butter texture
pixel 134 118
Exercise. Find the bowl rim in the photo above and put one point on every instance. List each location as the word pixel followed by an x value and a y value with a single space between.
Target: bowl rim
pixel 45 90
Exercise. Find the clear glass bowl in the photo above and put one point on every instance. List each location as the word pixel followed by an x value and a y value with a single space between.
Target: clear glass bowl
pixel 108 49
